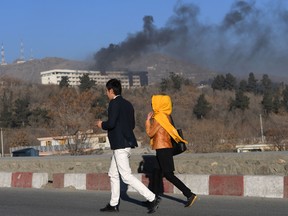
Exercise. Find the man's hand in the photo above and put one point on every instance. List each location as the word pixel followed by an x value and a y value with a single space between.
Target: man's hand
pixel 99 123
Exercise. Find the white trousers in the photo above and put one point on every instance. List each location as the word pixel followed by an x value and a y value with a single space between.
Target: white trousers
pixel 120 166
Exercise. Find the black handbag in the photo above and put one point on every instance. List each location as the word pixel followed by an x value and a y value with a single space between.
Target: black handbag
pixel 179 147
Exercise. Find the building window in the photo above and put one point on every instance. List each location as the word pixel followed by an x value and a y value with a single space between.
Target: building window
pixel 48 143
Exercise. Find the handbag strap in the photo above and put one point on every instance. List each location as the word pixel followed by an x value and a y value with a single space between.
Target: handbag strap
pixel 179 131
pixel 172 122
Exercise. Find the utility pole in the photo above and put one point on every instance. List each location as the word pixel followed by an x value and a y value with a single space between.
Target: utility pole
pixel 2 144
pixel 261 127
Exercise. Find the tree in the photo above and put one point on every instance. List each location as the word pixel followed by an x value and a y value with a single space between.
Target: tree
pixel 21 112
pixel 39 117
pixel 72 116
pixel 64 82
pixel 266 84
pixel 243 85
pixel 86 83
pixel 285 97
pixel 202 107
pixel 276 104
pixel 6 109
pixel 218 83
pixel 6 118
pixel 99 105
pixel 267 103
pixel 230 82
pixel 176 80
pixel 164 85
pixel 252 84
pixel 241 101
pixel 20 138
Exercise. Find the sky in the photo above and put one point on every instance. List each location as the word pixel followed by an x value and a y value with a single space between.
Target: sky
pixel 225 35
pixel 77 29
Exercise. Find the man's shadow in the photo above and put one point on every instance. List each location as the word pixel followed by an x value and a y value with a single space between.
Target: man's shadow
pixel 150 167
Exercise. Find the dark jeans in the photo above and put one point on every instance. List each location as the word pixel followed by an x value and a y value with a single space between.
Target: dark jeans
pixel 178 183
pixel 166 165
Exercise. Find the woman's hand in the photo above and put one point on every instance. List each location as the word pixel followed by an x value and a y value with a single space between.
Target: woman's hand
pixel 149 116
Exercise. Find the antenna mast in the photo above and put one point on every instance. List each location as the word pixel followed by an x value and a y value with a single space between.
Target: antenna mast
pixel 21 52
pixel 21 59
pixel 31 54
pixel 3 56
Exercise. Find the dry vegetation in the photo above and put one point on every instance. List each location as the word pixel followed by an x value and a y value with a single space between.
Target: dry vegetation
pixel 222 129
pixel 69 110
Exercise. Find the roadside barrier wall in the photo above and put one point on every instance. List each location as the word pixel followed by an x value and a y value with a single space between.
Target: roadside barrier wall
pixel 235 174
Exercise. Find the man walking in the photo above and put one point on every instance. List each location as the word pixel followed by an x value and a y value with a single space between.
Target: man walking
pixel 120 125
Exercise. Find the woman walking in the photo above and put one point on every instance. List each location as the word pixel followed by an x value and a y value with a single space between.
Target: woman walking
pixel 160 130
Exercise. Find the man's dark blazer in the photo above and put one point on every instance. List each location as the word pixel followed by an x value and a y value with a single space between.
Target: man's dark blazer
pixel 120 124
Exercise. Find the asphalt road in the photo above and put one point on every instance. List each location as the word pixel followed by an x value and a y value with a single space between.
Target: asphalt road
pixel 69 202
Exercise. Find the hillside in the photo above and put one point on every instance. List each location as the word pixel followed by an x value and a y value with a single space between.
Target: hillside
pixel 29 71
pixel 158 66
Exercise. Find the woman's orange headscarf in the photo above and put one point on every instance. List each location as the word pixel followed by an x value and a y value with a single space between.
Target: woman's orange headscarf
pixel 162 107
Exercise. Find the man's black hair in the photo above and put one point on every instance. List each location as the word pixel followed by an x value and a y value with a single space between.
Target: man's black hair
pixel 114 84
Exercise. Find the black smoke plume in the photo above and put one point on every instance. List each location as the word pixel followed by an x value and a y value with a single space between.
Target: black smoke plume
pixel 251 37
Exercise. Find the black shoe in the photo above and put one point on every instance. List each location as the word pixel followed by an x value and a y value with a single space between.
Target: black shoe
pixel 152 206
pixel 146 203
pixel 191 200
pixel 109 208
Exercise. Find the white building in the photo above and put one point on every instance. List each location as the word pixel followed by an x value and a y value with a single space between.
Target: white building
pixel 59 144
pixel 94 141
pixel 129 79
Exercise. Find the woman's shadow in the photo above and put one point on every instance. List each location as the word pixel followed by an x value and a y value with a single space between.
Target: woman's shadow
pixel 150 167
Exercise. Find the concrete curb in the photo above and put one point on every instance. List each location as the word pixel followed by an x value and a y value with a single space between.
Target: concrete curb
pixel 228 185
pixel 250 186
pixel 23 179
